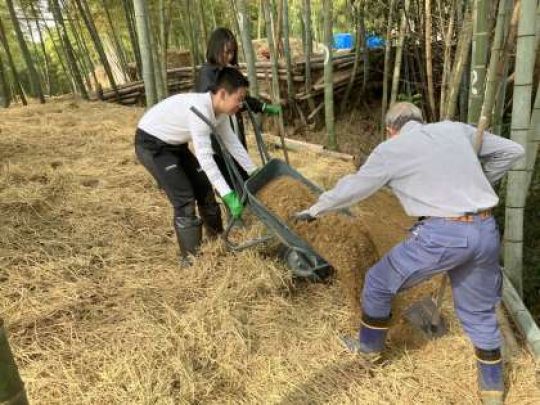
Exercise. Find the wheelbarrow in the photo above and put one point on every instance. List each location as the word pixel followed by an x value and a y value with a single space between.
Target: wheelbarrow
pixel 299 256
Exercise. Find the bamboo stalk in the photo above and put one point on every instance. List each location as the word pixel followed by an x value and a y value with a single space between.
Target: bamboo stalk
pixel 429 64
pixel 275 84
pixel 447 58
pixel 459 65
pixel 478 60
pixel 521 112
pixel 399 52
pixel 328 73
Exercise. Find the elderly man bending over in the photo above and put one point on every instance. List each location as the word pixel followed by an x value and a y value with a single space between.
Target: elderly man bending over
pixel 435 172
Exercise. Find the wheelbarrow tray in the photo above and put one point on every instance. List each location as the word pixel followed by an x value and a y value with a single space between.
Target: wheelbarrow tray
pixel 272 170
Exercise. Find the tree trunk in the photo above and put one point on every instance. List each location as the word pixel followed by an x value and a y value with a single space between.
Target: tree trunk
pixel 328 76
pixel 260 19
pixel 46 57
pixel 245 30
pixel 495 70
pixel 5 94
pixel 129 13
pixel 387 52
pixel 516 192
pixel 117 43
pixel 510 27
pixel 429 66
pixel 399 52
pixel 158 52
pixel 34 77
pixel 204 29
pixel 59 20
pixel 357 53
pixel 11 386
pixel 447 58
pixel 287 54
pixel 478 59
pixel 12 67
pixel 143 34
pixel 307 54
pixel 460 61
pixel 81 51
pixel 276 98
pixel 86 14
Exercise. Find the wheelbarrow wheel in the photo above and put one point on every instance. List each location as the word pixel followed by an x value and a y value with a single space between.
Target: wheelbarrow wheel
pixel 302 265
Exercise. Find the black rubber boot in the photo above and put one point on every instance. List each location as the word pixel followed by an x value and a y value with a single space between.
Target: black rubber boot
pixel 189 234
pixel 211 217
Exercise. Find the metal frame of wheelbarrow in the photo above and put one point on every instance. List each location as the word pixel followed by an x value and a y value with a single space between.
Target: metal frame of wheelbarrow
pixel 297 253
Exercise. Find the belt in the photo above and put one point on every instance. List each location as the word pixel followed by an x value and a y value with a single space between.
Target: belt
pixel 470 217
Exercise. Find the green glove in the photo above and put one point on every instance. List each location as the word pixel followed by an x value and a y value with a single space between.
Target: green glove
pixel 271 109
pixel 234 204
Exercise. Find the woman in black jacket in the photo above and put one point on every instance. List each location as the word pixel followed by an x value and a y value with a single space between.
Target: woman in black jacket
pixel 222 51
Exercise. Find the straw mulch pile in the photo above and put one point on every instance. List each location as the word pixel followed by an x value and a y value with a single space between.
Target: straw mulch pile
pixel 98 311
pixel 341 240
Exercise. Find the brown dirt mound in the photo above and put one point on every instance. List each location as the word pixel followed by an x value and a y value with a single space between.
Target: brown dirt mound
pixel 341 240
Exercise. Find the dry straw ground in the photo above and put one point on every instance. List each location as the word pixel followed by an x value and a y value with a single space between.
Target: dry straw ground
pixel 98 311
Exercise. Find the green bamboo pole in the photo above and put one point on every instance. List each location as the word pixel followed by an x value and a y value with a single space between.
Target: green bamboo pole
pixel 32 72
pixel 11 386
pixel 399 52
pixel 357 53
pixel 307 53
pixel 511 18
pixel 387 52
pixel 276 98
pixel 447 58
pixel 329 76
pixel 11 62
pixel 129 15
pixel 478 59
pixel 247 45
pixel 460 61
pixel 5 94
pixel 495 69
pixel 429 61
pixel 70 56
pixel 287 54
pixel 521 114
pixel 143 34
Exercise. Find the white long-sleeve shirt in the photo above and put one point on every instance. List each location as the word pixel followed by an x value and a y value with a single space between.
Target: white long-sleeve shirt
pixel 172 121
pixel 433 169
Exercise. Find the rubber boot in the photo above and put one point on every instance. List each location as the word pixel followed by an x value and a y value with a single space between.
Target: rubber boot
pixel 370 342
pixel 490 376
pixel 189 234
pixel 211 217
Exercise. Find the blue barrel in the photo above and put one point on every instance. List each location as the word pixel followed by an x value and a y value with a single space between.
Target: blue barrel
pixel 343 41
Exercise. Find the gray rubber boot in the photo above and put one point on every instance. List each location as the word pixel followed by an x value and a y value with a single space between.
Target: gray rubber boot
pixel 189 234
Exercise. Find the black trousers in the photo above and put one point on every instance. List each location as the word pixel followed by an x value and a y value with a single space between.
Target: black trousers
pixel 177 171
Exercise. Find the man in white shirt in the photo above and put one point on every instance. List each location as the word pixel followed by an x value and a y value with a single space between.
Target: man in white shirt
pixel 436 173
pixel 161 145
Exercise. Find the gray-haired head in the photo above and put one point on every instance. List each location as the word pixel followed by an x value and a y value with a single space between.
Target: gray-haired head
pixel 400 113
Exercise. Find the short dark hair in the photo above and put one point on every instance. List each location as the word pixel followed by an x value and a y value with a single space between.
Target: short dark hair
pixel 220 38
pixel 230 79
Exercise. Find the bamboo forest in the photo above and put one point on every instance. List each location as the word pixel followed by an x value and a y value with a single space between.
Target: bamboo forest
pixel 269 201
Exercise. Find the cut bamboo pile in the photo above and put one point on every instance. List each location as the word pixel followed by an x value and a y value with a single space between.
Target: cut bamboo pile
pixel 181 79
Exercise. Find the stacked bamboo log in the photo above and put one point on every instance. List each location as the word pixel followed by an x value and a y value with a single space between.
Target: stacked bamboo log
pixel 181 79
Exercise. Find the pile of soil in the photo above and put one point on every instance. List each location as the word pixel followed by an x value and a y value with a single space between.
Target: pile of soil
pixel 342 240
